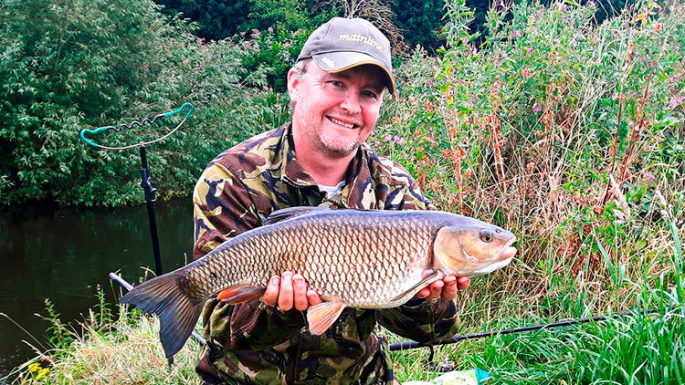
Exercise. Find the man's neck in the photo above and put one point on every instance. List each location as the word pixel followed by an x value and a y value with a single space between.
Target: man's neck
pixel 324 169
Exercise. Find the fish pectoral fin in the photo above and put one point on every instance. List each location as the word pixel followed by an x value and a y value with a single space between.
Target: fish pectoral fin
pixel 290 212
pixel 407 294
pixel 240 293
pixel 320 317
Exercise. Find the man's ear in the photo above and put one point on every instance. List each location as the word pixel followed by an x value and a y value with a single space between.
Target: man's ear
pixel 293 83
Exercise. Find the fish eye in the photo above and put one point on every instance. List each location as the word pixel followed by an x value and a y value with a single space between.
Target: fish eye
pixel 486 236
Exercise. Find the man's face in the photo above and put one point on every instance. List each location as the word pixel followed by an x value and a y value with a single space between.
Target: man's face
pixel 335 113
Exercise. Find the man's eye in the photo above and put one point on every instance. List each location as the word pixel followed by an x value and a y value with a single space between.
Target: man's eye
pixel 336 83
pixel 370 95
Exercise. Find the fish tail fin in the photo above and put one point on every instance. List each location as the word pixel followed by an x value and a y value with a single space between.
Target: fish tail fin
pixel 178 313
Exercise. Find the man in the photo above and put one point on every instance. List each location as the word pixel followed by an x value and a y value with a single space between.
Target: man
pixel 336 89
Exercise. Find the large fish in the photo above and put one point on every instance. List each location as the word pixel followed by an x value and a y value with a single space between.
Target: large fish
pixel 356 258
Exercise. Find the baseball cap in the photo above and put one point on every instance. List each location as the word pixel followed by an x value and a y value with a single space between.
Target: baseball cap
pixel 341 44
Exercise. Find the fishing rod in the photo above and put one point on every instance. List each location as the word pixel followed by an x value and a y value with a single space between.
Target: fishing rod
pixel 145 178
pixel 461 337
pixel 406 345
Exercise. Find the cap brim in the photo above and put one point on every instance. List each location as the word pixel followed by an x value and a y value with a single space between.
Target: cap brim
pixel 334 62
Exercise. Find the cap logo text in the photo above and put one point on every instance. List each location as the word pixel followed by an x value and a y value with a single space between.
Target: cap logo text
pixel 365 39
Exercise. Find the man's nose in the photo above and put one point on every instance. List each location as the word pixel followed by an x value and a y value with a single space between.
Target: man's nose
pixel 351 102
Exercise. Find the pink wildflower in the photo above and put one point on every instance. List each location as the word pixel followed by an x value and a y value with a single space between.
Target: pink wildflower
pixel 537 108
pixel 676 101
pixel 517 33
pixel 387 138
pixel 573 42
pixel 529 49
pixel 648 176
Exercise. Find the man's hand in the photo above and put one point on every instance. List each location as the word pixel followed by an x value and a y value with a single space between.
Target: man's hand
pixel 290 291
pixel 445 288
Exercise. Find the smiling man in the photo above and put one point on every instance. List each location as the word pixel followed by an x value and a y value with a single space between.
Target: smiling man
pixel 336 89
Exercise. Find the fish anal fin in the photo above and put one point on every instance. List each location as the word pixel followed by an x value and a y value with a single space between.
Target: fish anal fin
pixel 320 317
pixel 240 293
pixel 429 277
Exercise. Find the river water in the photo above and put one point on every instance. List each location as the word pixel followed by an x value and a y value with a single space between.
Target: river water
pixel 63 254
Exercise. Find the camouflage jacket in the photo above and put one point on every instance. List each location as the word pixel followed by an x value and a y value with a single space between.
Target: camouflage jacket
pixel 253 343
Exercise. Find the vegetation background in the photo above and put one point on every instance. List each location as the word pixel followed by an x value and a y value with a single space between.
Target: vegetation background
pixel 562 121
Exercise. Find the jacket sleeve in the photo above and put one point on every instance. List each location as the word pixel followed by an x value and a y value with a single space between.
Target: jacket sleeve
pixel 222 210
pixel 422 321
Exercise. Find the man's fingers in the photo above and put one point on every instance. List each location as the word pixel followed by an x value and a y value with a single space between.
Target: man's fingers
pixel 423 293
pixel 285 296
pixel 463 282
pixel 449 291
pixel 313 297
pixel 436 289
pixel 300 292
pixel 271 294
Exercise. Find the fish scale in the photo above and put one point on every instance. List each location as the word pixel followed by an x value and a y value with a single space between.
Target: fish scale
pixel 351 258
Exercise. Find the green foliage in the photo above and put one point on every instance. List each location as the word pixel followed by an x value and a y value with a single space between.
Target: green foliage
pixel 216 19
pixel 278 30
pixel 87 64
pixel 420 22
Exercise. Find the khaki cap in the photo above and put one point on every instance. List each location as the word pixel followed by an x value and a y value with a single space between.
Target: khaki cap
pixel 341 44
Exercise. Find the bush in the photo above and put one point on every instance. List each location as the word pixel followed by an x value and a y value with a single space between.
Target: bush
pixel 86 64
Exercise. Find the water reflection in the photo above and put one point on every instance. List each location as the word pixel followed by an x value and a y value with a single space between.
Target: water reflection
pixel 63 254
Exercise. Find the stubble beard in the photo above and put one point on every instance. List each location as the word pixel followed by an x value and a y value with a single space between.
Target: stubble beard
pixel 337 147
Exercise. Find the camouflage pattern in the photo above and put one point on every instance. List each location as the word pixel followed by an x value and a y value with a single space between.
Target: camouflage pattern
pixel 251 343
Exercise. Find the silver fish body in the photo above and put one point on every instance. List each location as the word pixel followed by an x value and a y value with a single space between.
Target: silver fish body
pixel 352 258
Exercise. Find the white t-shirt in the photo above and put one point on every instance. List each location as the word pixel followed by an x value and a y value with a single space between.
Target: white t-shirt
pixel 331 190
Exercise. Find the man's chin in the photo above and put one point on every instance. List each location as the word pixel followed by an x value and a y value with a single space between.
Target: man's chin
pixel 339 148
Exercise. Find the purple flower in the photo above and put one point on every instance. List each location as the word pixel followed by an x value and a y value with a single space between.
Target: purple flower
pixel 676 101
pixel 387 138
pixel 537 108
pixel 648 176
pixel 517 33
pixel 573 42
pixel 398 139
pixel 529 49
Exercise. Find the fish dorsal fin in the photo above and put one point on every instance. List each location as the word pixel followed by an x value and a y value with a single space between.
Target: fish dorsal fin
pixel 320 317
pixel 432 276
pixel 290 212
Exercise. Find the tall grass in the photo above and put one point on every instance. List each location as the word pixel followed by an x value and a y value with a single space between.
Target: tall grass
pixel 571 134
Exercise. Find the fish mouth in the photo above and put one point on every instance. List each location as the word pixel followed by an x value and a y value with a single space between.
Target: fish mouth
pixel 509 250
